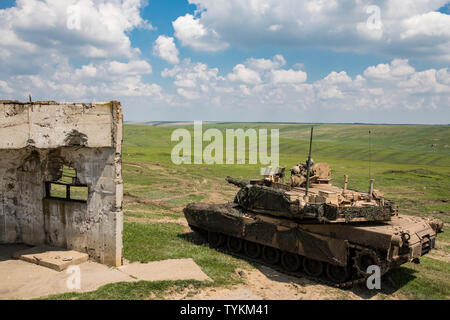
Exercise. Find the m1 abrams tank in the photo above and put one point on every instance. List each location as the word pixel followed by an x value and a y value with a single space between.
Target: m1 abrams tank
pixel 316 228
pixel 338 233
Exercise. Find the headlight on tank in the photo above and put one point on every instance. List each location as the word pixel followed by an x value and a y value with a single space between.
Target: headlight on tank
pixel 406 237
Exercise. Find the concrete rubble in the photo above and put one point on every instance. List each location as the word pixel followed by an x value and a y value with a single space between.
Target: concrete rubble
pixel 53 258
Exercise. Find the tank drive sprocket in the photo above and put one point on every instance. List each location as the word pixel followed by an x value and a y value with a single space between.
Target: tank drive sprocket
pixel 365 258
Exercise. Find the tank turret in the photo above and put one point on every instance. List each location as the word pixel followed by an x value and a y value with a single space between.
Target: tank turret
pixel 324 202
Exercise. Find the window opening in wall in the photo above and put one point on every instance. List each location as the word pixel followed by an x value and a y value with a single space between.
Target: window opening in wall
pixel 67 187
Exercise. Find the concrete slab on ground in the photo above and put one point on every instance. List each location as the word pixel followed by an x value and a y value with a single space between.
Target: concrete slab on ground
pixel 179 269
pixel 24 280
pixel 54 258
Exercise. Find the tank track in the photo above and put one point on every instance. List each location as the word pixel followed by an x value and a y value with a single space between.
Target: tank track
pixel 361 278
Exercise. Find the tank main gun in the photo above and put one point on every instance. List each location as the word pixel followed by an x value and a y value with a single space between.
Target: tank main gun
pixel 237 183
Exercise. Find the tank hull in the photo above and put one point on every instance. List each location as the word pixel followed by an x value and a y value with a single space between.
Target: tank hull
pixel 387 244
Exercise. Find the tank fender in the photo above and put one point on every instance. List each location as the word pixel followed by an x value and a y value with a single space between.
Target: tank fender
pixel 322 248
pixel 298 241
pixel 224 223
pixel 214 218
pixel 260 232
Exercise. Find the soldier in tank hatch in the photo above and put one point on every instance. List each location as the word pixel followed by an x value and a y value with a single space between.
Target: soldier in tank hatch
pixel 300 172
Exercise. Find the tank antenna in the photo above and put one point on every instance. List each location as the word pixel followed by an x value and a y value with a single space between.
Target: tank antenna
pixel 370 154
pixel 309 162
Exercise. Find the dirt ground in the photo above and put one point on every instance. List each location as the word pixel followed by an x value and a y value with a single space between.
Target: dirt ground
pixel 265 283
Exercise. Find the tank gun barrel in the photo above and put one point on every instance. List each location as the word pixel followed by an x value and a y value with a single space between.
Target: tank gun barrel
pixel 237 183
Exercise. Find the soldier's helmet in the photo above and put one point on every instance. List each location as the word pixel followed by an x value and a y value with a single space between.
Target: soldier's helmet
pixel 295 170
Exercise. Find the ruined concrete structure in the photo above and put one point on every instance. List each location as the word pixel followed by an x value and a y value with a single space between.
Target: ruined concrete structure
pixel 38 140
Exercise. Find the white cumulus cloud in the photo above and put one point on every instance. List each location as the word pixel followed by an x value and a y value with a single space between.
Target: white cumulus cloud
pixel 266 64
pixel 387 26
pixel 191 32
pixel 134 67
pixel 288 76
pixel 395 86
pixel 244 74
pixel 40 39
pixel 166 49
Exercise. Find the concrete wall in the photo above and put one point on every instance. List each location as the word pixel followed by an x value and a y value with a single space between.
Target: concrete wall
pixel 36 140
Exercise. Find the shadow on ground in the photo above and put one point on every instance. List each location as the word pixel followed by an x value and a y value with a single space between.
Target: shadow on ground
pixel 7 250
pixel 389 286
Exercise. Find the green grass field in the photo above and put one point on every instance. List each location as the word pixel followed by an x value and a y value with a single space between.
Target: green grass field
pixel 410 164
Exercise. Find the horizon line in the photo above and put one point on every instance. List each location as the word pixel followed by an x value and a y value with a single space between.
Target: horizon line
pixel 282 122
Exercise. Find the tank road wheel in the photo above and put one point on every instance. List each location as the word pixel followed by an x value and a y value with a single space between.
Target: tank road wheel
pixel 338 274
pixel 234 244
pixel 364 259
pixel 216 239
pixel 271 255
pixel 290 261
pixel 312 267
pixel 252 250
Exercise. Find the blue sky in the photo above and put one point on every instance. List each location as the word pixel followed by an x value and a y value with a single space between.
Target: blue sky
pixel 229 60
